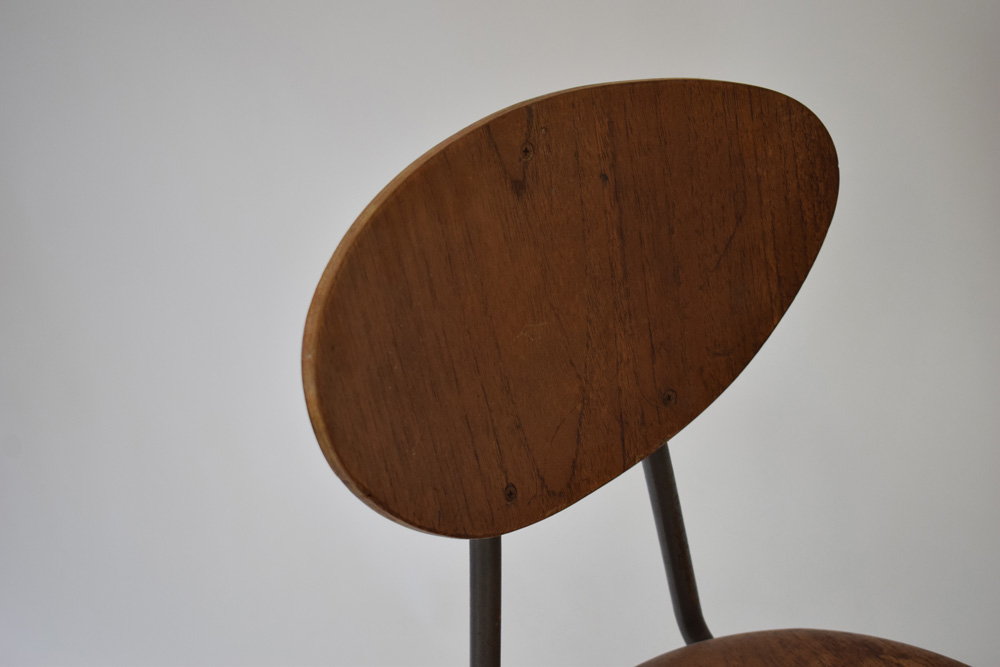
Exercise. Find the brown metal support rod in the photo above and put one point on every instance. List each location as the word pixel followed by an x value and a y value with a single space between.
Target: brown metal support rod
pixel 484 579
pixel 673 543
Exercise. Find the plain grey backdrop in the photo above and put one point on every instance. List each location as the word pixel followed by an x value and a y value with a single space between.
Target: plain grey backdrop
pixel 174 177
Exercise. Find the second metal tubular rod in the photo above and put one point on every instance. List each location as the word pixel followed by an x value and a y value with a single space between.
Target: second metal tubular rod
pixel 673 543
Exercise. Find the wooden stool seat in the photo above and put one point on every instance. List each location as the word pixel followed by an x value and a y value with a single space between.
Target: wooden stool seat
pixel 773 648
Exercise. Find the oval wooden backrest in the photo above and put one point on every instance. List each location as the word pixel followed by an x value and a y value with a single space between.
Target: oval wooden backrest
pixel 539 302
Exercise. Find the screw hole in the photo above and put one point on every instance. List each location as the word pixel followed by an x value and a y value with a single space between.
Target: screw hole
pixel 669 397
pixel 527 152
pixel 510 493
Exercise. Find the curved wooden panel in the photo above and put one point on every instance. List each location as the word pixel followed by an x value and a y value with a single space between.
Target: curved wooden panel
pixel 540 301
pixel 775 648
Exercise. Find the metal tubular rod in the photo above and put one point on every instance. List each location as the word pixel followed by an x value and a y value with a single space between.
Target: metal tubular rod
pixel 673 543
pixel 484 580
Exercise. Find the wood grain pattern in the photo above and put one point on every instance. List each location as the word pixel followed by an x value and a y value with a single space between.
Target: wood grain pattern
pixel 537 303
pixel 776 648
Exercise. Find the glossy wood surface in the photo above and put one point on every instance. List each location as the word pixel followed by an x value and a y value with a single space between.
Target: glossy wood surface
pixel 543 299
pixel 800 648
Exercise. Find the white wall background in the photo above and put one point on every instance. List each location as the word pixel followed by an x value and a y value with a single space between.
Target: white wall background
pixel 174 177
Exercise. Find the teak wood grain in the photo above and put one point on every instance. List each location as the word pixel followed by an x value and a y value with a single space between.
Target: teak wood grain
pixel 537 303
pixel 794 648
